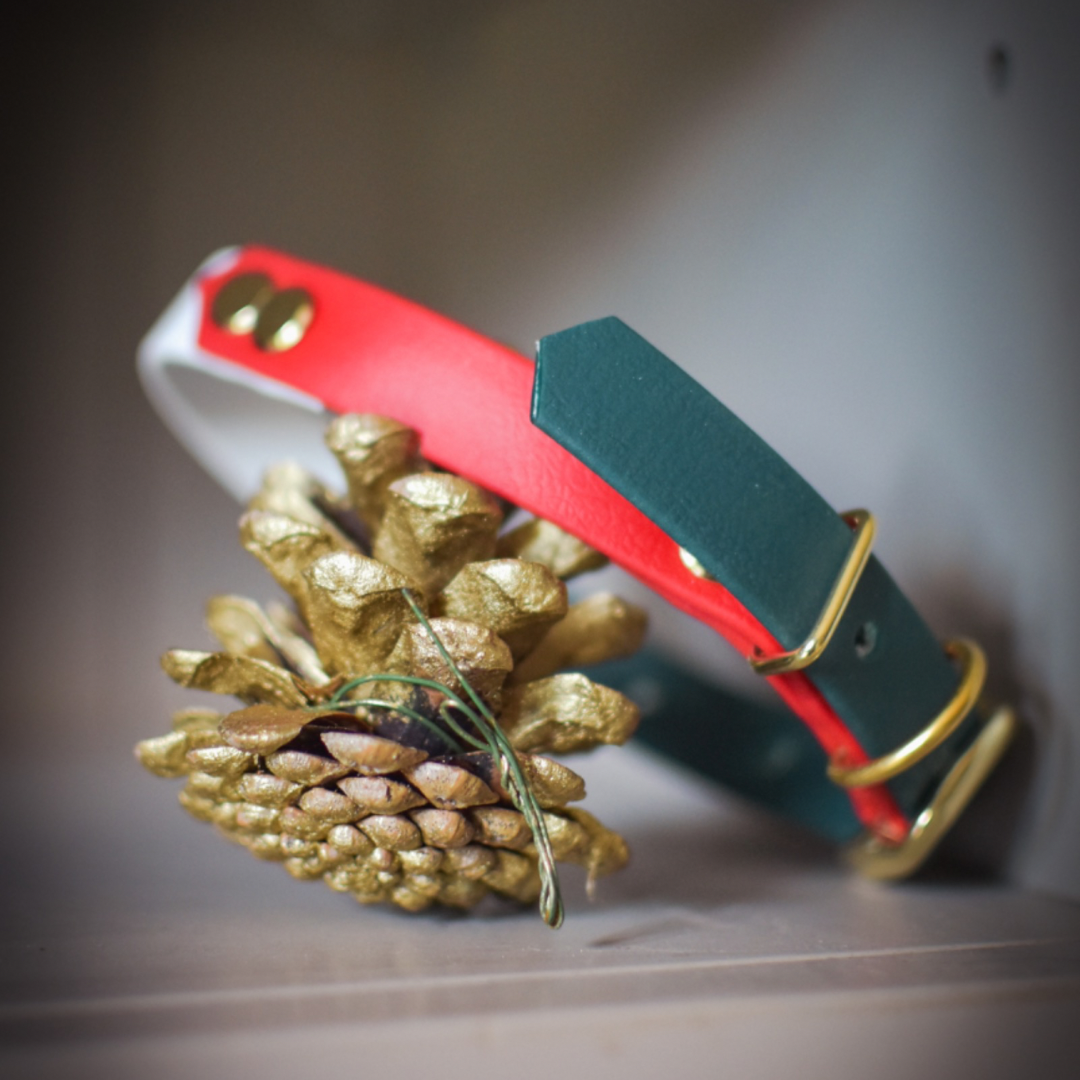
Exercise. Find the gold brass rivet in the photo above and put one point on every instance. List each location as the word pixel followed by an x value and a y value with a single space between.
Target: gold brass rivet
pixel 239 301
pixel 284 320
pixel 693 564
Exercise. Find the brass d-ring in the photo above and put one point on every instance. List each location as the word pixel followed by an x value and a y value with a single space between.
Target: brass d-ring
pixel 881 860
pixel 972 676
pixel 864 526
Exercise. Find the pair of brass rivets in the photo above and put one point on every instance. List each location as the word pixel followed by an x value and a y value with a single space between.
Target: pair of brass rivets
pixel 277 319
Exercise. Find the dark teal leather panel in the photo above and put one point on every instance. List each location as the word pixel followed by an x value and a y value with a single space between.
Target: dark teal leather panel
pixel 760 752
pixel 661 440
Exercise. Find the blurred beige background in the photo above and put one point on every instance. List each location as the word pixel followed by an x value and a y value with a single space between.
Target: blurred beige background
pixel 857 224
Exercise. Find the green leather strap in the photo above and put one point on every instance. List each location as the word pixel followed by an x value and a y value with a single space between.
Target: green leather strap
pixel 760 752
pixel 661 440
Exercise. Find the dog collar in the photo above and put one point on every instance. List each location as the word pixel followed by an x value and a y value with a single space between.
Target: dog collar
pixel 610 440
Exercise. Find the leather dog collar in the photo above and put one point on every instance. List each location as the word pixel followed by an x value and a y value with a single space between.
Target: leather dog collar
pixel 610 440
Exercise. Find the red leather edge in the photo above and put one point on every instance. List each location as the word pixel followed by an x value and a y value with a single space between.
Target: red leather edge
pixel 368 350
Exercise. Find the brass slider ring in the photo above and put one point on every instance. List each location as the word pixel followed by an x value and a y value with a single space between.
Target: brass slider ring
pixel 972 676
pixel 864 526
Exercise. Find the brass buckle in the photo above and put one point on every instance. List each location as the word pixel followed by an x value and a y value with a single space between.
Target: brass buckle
pixel 872 855
pixel 864 526
pixel 876 858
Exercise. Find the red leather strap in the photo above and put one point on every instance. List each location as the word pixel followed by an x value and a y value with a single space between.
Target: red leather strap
pixel 367 350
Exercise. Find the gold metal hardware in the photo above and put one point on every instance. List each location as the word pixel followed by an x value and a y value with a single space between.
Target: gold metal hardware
pixel 284 320
pixel 972 677
pixel 875 858
pixel 692 563
pixel 864 526
pixel 239 301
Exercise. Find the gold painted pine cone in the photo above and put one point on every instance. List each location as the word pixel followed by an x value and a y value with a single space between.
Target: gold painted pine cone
pixel 384 801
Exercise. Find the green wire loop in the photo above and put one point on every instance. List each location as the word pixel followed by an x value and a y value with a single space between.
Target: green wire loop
pixel 489 738
pixel 515 782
